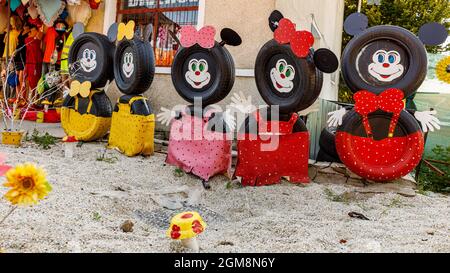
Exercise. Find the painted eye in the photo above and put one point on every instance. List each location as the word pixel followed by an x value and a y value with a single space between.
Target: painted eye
pixel 380 58
pixel 392 59
pixel 194 66
pixel 281 68
pixel 288 72
pixel 202 67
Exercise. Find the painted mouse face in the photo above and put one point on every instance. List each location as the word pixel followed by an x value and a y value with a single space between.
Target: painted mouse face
pixel 282 76
pixel 128 64
pixel 89 60
pixel 386 66
pixel 197 75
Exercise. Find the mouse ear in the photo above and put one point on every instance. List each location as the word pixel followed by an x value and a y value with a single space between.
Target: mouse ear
pixel 433 34
pixel 230 37
pixel 274 19
pixel 325 60
pixel 112 32
pixel 356 23
pixel 77 30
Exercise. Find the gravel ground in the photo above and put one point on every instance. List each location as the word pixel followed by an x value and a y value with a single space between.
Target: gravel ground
pixel 91 199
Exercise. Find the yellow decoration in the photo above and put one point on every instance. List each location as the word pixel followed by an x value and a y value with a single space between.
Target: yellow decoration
pixel 132 134
pixel 28 185
pixel 186 225
pixel 126 31
pixel 443 70
pixel 12 138
pixel 83 89
pixel 85 127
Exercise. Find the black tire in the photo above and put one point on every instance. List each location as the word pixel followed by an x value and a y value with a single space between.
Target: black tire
pixel 101 105
pixel 142 63
pixel 220 68
pixel 353 124
pixel 104 59
pixel 323 156
pixel 304 86
pixel 139 107
pixel 327 142
pixel 361 50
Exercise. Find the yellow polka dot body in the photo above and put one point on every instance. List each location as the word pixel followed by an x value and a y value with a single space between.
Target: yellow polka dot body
pixel 85 127
pixel 132 134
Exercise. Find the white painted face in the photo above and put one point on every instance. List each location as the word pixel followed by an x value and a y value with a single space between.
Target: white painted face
pixel 89 60
pixel 282 76
pixel 128 64
pixel 197 75
pixel 386 66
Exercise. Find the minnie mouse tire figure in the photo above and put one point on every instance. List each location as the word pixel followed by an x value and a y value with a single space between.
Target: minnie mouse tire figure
pixel 379 139
pixel 288 74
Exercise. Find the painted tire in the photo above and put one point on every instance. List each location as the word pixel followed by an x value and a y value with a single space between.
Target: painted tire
pixel 386 49
pixel 327 143
pixel 205 73
pixel 138 107
pixel 382 158
pixel 285 80
pixel 83 125
pixel 91 59
pixel 134 66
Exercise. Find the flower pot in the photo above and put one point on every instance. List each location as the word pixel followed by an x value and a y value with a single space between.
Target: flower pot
pixel 12 138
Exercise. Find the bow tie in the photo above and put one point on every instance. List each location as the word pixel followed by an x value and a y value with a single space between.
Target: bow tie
pixel 301 41
pixel 390 101
pixel 204 37
pixel 82 89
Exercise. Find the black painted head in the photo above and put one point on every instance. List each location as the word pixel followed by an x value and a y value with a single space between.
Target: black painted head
pixel 205 69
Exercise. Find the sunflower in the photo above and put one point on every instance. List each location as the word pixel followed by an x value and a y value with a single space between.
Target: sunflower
pixel 443 70
pixel 28 185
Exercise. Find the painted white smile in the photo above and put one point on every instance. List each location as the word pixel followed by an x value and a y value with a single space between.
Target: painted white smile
pixel 386 66
pixel 128 65
pixel 197 75
pixel 88 61
pixel 282 76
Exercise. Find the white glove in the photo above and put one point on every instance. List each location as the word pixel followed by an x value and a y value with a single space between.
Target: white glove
pixel 428 120
pixel 166 116
pixel 336 117
pixel 242 104
pixel 229 119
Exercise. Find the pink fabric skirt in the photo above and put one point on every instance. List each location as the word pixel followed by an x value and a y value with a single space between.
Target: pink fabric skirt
pixel 197 150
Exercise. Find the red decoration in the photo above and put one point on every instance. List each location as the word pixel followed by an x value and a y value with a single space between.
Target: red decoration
pixel 175 234
pixel 204 37
pixel 187 216
pixel 94 4
pixel 380 160
pixel 390 101
pixel 301 41
pixel 197 227
pixel 259 167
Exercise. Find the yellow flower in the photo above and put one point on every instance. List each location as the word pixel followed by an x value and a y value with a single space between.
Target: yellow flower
pixel 443 70
pixel 28 185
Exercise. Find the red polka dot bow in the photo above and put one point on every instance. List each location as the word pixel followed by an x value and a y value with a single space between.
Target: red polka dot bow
pixel 391 101
pixel 301 41
pixel 204 37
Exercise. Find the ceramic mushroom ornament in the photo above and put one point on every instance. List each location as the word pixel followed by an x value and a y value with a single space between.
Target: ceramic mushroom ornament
pixel 203 73
pixel 273 144
pixel 379 139
pixel 186 227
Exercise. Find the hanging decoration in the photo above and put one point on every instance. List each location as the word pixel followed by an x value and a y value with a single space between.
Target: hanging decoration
pixel 49 10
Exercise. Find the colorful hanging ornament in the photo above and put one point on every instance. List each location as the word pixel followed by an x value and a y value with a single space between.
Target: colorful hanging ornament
pixel 49 10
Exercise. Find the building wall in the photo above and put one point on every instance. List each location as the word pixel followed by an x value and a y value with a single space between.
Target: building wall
pixel 249 19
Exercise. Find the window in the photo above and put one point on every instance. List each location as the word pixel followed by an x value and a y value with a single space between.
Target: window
pixel 163 19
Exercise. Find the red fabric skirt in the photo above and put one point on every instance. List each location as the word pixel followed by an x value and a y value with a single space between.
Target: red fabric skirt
pixel 289 159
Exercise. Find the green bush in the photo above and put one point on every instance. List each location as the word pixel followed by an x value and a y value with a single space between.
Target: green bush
pixel 432 181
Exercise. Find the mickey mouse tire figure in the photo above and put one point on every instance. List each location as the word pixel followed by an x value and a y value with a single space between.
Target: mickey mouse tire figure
pixel 275 59
pixel 91 56
pixel 134 66
pixel 214 67
pixel 87 119
pixel 327 144
pixel 408 72
pixel 380 158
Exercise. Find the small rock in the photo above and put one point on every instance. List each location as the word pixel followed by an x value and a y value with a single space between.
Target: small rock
pixel 127 226
pixel 430 232
pixel 343 241
pixel 226 243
